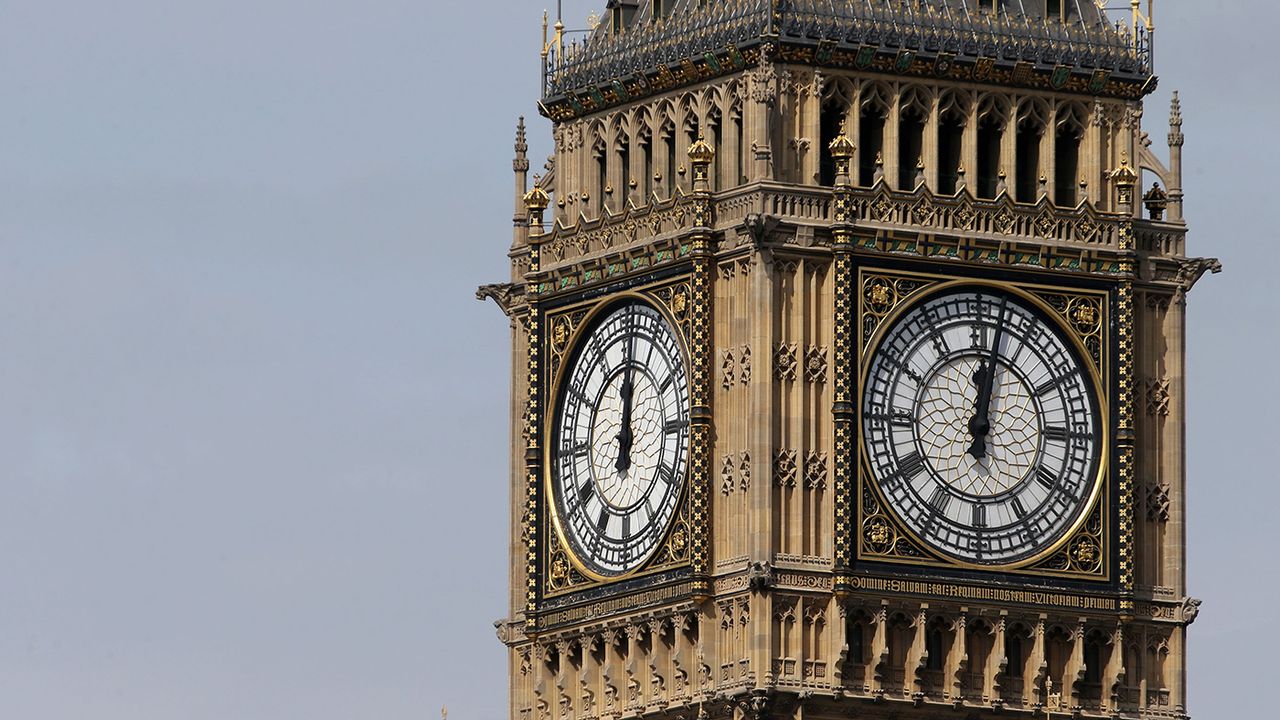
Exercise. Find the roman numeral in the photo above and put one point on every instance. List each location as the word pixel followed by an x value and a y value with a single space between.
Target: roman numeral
pixel 939 499
pixel 1056 433
pixel 1018 510
pixel 672 426
pixel 902 418
pixel 980 516
pixel 626 529
pixel 1045 387
pixel 584 493
pixel 1046 478
pixel 603 520
pixel 909 465
pixel 577 450
pixel 666 383
pixel 667 475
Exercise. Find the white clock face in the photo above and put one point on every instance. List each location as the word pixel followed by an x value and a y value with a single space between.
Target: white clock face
pixel 620 439
pixel 981 426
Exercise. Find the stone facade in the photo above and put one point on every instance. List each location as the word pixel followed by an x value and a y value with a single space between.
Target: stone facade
pixel 749 206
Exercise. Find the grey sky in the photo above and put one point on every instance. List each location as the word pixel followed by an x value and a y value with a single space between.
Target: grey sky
pixel 252 423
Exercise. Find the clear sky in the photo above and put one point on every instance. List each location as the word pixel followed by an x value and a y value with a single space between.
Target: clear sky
pixel 253 430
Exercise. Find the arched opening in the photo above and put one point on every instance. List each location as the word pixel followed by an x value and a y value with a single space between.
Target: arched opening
pixel 1057 651
pixel 1095 660
pixel 993 114
pixel 911 120
pixel 1031 127
pixel 1068 132
pixel 831 122
pixel 951 121
pixel 739 150
pixel 978 643
pixel 646 162
pixel 899 641
pixel 601 158
pixel 871 118
pixel 718 160
pixel 624 161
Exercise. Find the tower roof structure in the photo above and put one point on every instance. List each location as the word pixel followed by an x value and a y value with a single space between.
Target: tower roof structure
pixel 647 46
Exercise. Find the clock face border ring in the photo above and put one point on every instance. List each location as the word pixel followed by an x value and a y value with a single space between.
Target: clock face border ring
pixel 557 384
pixel 1095 382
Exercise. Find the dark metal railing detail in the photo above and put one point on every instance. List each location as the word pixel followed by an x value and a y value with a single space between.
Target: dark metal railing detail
pixel 928 26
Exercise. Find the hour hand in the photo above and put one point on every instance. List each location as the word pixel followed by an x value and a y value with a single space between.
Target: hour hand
pixel 624 435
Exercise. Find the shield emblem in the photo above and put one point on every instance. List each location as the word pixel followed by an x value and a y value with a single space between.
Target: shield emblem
pixel 1061 74
pixel 904 60
pixel 866 54
pixel 1099 80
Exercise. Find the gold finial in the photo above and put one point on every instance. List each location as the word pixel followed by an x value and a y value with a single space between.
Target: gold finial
pixel 1124 175
pixel 920 163
pixel 537 198
pixel 841 146
pixel 960 169
pixel 444 713
pixel 701 152
pixel 879 159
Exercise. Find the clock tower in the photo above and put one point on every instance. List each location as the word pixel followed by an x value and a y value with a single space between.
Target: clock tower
pixel 848 356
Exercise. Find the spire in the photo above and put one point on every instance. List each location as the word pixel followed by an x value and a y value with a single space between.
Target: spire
pixel 520 166
pixel 1175 121
pixel 1175 159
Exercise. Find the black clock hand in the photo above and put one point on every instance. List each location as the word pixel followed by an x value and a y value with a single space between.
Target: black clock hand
pixel 624 436
pixel 980 423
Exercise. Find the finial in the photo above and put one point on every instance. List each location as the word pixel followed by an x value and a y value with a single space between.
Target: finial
pixel 961 184
pixel 878 175
pixel 1156 200
pixel 1084 188
pixel 1124 175
pixel 521 161
pixel 701 152
pixel 918 180
pixel 444 713
pixel 537 198
pixel 1042 188
pixel 841 146
pixel 841 149
pixel 1001 185
pixel 1175 123
pixel 1124 178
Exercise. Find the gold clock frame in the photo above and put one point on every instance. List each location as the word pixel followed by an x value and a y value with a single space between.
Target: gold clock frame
pixel 1084 550
pixel 563 572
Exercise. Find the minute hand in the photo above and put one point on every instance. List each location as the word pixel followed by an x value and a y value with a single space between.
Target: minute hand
pixel 980 423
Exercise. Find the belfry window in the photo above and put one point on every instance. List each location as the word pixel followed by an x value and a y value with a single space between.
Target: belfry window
pixel 1031 127
pixel 990 135
pixel 741 145
pixel 624 159
pixel 830 121
pixel 1068 132
pixel 950 141
pixel 870 136
pixel 910 146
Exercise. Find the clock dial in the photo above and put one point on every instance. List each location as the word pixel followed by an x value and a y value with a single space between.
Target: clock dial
pixel 981 426
pixel 620 441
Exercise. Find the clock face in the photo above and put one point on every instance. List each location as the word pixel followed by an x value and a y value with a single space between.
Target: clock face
pixel 620 440
pixel 981 426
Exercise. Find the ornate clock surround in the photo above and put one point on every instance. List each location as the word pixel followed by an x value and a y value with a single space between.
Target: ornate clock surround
pixel 1088 555
pixel 567 322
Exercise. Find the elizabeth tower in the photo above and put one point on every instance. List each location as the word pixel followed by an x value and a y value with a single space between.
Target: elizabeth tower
pixel 848 348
